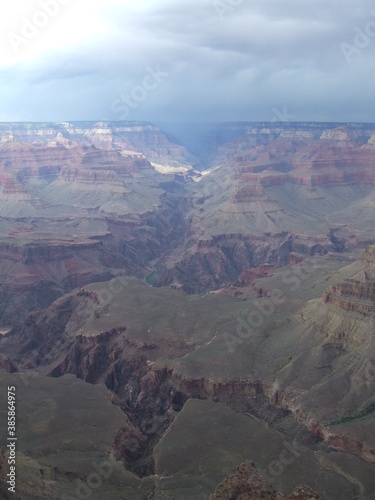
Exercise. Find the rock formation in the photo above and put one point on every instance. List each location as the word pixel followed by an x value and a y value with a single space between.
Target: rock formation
pixel 248 484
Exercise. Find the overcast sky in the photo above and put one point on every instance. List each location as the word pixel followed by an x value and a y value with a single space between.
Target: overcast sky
pixel 182 61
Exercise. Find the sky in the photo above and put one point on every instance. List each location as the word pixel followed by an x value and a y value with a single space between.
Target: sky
pixel 187 61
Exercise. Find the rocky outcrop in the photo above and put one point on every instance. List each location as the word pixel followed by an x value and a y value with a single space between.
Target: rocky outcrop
pixel 319 166
pixel 7 364
pixel 340 363
pixel 335 440
pixel 221 260
pixel 344 296
pixel 368 256
pixel 44 253
pixel 248 483
pixel 250 192
pixel 134 137
pixel 85 357
pixel 356 294
pixel 250 275
pixel 341 443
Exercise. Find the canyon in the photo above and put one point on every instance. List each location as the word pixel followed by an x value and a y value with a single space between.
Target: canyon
pixel 210 315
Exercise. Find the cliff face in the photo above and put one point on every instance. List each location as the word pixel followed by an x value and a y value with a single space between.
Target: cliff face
pixel 338 328
pixel 131 137
pixel 356 294
pixel 222 260
pixel 340 295
pixel 85 357
pixel 247 482
pixel 7 364
pixel 330 167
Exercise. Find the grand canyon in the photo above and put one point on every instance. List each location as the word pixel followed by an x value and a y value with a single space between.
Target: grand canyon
pixel 183 325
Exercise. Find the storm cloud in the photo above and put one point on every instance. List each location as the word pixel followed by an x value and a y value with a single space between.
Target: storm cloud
pixel 181 61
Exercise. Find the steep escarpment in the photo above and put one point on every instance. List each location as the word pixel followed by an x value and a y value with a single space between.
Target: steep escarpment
pixel 42 254
pixel 222 259
pixel 358 293
pixel 132 137
pixel 85 357
pixel 338 365
pixel 7 364
pixel 247 482
pixel 34 275
pixel 341 294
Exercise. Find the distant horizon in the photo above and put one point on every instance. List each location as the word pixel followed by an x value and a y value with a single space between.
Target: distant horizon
pixel 191 135
pixel 155 122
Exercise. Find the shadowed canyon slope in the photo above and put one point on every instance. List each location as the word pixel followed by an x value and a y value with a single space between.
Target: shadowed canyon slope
pixel 205 312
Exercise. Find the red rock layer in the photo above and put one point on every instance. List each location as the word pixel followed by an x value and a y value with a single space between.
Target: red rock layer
pixel 247 483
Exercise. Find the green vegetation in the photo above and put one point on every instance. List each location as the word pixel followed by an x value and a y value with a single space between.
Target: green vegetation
pixel 349 418
pixel 151 279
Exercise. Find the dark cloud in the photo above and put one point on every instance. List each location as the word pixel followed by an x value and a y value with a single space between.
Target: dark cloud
pixel 200 61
